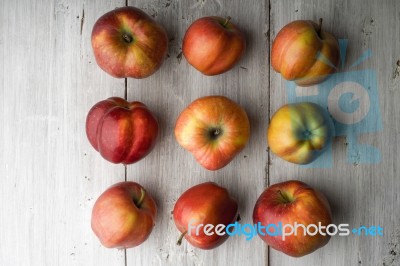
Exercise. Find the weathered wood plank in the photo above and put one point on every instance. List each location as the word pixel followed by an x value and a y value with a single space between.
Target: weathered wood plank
pixel 50 175
pixel 360 194
pixel 169 169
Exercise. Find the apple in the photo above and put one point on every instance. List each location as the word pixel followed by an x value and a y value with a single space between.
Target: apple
pixel 123 216
pixel 303 52
pixel 289 203
pixel 214 129
pixel 121 131
pixel 128 43
pixel 213 45
pixel 202 205
pixel 300 132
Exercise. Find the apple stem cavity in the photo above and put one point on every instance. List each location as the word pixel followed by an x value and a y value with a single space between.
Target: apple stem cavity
pixel 285 197
pixel 127 38
pixel 179 242
pixel 214 133
pixel 319 29
pixel 307 134
pixel 227 19
pixel 140 201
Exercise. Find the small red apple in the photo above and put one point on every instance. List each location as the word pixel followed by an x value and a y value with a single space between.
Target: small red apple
pixel 300 132
pixel 129 43
pixel 123 216
pixel 214 129
pixel 303 52
pixel 200 206
pixel 289 203
pixel 121 131
pixel 213 45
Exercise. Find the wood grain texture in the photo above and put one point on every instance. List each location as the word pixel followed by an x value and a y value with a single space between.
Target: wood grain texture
pixel 50 175
pixel 169 170
pixel 360 194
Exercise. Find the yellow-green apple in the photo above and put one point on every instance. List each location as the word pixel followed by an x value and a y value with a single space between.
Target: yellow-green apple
pixel 295 217
pixel 121 131
pixel 213 45
pixel 129 43
pixel 303 52
pixel 123 216
pixel 300 132
pixel 214 129
pixel 202 213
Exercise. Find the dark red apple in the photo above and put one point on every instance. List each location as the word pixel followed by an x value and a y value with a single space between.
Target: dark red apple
pixel 121 131
pixel 289 203
pixel 123 216
pixel 201 205
pixel 129 43
pixel 213 45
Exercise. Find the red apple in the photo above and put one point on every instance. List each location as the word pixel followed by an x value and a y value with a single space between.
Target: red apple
pixel 201 205
pixel 129 43
pixel 300 132
pixel 289 203
pixel 214 129
pixel 303 52
pixel 123 216
pixel 213 45
pixel 121 131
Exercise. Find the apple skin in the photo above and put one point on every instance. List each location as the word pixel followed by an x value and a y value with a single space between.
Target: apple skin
pixel 123 216
pixel 301 204
pixel 214 129
pixel 206 203
pixel 300 132
pixel 128 43
pixel 301 50
pixel 213 45
pixel 121 131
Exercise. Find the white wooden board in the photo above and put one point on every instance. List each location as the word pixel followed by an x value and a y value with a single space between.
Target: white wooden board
pixel 50 176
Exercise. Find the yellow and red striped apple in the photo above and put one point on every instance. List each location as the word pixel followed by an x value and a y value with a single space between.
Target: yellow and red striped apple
pixel 300 132
pixel 214 129
pixel 129 43
pixel 289 203
pixel 303 52
pixel 121 131
pixel 123 216
pixel 213 45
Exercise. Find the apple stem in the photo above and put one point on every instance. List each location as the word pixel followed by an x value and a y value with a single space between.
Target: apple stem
pixel 319 29
pixel 226 21
pixel 285 198
pixel 179 242
pixel 140 201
